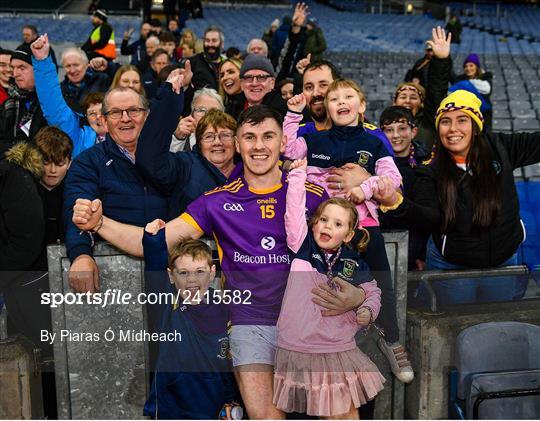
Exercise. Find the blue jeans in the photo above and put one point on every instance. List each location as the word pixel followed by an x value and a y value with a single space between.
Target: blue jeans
pixel 470 290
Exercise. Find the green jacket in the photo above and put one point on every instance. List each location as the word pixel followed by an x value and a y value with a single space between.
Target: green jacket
pixel 315 44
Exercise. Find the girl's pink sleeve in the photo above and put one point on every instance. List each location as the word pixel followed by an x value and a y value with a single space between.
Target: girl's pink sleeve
pixel 296 147
pixel 383 167
pixel 373 298
pixel 295 210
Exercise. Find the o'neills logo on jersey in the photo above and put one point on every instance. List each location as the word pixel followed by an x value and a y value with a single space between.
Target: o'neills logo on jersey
pixel 269 201
pixel 321 156
pixel 271 258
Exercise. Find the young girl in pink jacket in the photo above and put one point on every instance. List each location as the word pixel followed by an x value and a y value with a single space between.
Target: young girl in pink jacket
pixel 347 142
pixel 318 368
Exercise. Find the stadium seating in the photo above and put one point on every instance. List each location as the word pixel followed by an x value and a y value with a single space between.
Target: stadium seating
pixel 375 50
pixel 495 363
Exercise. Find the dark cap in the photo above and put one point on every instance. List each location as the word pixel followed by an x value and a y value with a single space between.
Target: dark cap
pixel 23 53
pixel 257 62
pixel 102 14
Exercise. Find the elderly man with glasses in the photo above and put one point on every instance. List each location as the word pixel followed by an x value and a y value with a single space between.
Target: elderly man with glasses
pixel 107 171
pixel 258 81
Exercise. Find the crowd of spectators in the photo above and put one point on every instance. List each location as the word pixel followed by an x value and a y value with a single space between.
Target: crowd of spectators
pixel 188 140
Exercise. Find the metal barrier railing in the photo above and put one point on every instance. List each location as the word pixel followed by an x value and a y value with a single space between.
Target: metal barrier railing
pixel 426 277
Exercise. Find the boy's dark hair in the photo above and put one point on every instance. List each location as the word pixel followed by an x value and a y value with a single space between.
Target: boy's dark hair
pixel 232 52
pixel 166 71
pixel 396 114
pixel 257 114
pixel 157 53
pixel 91 99
pixel 166 36
pixel 54 144
pixel 321 63
pixel 196 249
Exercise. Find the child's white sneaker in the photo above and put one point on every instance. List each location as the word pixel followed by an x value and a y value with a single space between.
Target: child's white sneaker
pixel 397 358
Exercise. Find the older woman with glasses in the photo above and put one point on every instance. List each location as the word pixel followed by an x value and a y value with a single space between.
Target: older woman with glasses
pixel 204 100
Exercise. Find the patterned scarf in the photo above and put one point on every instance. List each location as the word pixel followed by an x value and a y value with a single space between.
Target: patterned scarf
pixel 17 114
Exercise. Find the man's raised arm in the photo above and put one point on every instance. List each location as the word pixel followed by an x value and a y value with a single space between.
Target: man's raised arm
pixel 88 216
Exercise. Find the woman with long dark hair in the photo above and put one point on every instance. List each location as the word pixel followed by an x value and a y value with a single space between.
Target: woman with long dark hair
pixel 467 198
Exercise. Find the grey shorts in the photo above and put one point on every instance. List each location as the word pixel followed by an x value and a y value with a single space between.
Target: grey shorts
pixel 253 344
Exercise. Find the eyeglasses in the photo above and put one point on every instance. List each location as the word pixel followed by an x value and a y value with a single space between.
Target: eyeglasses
pixel 199 110
pixel 258 78
pixel 117 114
pixel 223 136
pixel 199 274
pixel 94 114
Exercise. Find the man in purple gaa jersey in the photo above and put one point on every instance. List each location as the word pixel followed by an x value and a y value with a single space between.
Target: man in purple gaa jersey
pixel 247 224
pixel 246 218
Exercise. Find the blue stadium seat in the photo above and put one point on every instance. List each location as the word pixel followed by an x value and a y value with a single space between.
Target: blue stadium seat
pixel 493 359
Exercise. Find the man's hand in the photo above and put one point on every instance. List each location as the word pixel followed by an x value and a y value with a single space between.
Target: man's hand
pixel 84 274
pixel 440 43
pixel 87 214
pixel 342 180
pixel 99 64
pixel 128 33
pixel 185 127
pixel 385 192
pixel 41 47
pixel 297 103
pixel 301 13
pixel 348 297
pixel 302 64
pixel 356 195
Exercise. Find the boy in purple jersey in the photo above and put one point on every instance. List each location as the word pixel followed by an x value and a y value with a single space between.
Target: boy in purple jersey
pixel 249 247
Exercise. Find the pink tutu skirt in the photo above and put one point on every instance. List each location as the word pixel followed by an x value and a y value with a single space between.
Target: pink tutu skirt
pixel 324 384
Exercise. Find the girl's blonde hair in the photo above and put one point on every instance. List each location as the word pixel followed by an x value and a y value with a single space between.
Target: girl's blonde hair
pixel 344 83
pixel 361 243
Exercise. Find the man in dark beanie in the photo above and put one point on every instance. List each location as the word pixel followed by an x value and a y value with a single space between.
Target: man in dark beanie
pixel 100 43
pixel 257 80
pixel 20 115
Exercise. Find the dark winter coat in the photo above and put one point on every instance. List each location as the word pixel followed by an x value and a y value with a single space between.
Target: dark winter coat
pixel 315 44
pixel 22 225
pixel 92 82
pixel 436 90
pixel 462 243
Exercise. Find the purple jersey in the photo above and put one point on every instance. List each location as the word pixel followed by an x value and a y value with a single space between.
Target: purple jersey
pixel 249 229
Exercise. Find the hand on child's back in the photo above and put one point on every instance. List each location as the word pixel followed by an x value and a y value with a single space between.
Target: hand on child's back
pixel 297 103
pixel 155 226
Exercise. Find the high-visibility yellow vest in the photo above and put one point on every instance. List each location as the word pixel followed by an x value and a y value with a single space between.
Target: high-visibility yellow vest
pixel 109 50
